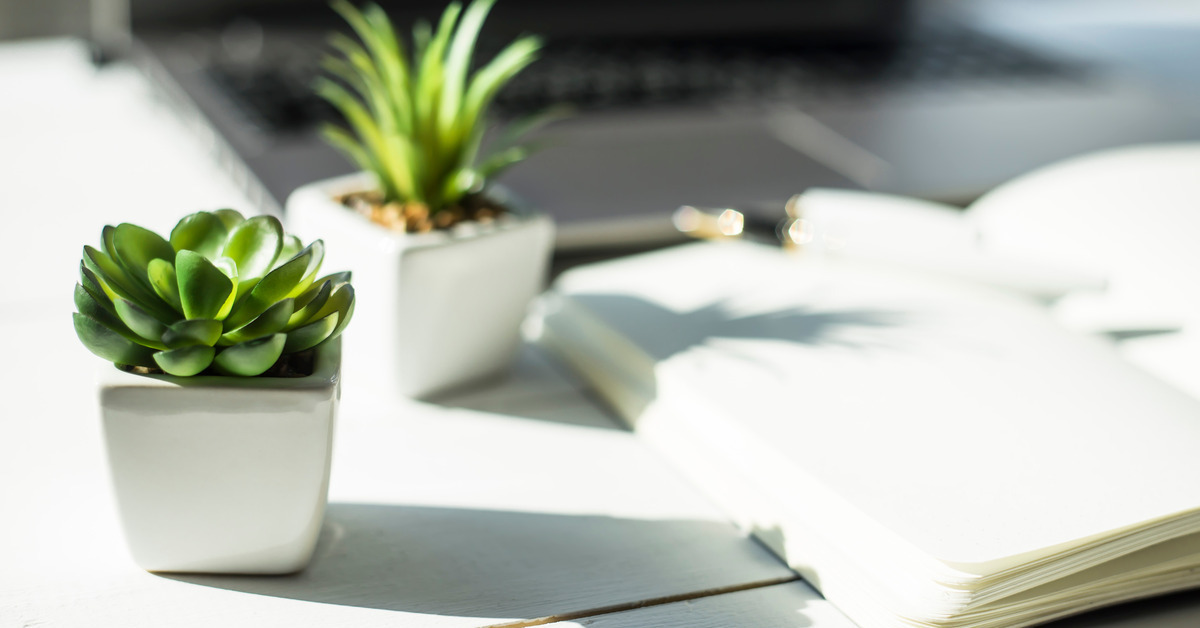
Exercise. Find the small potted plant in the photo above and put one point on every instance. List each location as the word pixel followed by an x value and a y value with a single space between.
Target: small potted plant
pixel 218 415
pixel 450 265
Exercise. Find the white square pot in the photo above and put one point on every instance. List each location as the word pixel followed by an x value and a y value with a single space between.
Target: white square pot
pixel 221 474
pixel 433 310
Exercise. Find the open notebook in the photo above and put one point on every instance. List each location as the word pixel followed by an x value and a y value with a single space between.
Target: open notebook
pixel 926 450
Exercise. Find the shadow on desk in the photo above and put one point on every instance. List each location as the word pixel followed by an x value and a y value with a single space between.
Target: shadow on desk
pixel 537 387
pixel 508 565
pixel 540 385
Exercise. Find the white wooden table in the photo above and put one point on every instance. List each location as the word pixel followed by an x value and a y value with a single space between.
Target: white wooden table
pixel 517 503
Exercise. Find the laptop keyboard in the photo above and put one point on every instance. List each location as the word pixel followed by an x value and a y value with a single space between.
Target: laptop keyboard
pixel 612 75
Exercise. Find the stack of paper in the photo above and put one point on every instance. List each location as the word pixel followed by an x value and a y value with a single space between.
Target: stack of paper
pixel 926 452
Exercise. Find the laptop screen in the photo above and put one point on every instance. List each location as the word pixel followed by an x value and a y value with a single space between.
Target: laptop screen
pixel 816 21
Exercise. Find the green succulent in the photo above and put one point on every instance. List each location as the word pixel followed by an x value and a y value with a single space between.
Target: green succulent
pixel 417 121
pixel 223 294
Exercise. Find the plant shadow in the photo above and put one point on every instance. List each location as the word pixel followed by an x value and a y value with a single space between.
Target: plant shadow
pixel 663 333
pixel 659 334
pixel 504 565
pixel 541 386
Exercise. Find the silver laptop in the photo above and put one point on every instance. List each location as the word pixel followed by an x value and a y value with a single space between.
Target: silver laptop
pixel 699 102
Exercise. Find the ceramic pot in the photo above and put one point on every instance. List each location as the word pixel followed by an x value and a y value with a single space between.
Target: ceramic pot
pixel 433 310
pixel 221 474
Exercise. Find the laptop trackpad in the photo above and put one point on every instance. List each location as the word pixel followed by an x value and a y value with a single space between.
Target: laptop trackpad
pixel 617 178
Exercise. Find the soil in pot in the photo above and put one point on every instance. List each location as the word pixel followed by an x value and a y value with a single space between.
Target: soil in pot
pixel 415 217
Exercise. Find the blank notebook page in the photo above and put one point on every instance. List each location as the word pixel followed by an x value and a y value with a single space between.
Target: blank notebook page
pixel 960 418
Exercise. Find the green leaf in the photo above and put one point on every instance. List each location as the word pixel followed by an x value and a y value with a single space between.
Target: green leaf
pixel 337 278
pixel 462 177
pixel 164 281
pixel 106 240
pixel 431 75
pixel 422 34
pixel 229 268
pixel 202 232
pixel 109 344
pixel 459 184
pixel 244 287
pixel 498 162
pixel 392 167
pixel 272 288
pixel 360 71
pixel 101 310
pixel 291 246
pixel 518 129
pixel 111 277
pixel 376 33
pixel 185 361
pixel 342 140
pixel 381 76
pixel 116 283
pixel 273 320
pixel 507 151
pixel 315 254
pixel 309 303
pixel 404 162
pixel 253 245
pixel 229 217
pixel 344 69
pixel 427 95
pixel 90 283
pixel 345 314
pixel 203 288
pixel 489 79
pixel 458 61
pixel 395 68
pixel 192 332
pixel 311 334
pixel 144 324
pixel 251 358
pixel 342 302
pixel 136 246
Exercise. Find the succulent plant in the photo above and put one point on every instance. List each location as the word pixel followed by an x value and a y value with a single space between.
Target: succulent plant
pixel 417 121
pixel 223 294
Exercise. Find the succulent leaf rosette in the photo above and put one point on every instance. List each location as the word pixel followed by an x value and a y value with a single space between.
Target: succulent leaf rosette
pixel 224 294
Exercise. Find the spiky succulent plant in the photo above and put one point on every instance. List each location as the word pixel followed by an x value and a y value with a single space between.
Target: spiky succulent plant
pixel 417 122
pixel 223 294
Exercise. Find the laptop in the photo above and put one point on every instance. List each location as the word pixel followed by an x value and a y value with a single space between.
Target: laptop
pixel 700 102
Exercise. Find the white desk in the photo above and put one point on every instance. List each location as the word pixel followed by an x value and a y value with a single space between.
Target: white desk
pixel 519 503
